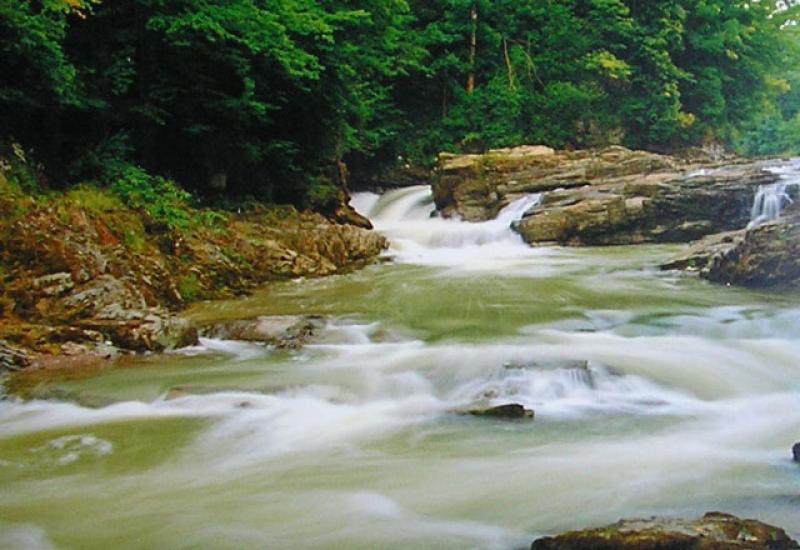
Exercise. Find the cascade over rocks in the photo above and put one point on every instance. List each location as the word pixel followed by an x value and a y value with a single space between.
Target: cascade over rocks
pixel 609 196
pixel 714 531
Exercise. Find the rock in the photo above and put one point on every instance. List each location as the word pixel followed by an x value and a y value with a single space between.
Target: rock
pixel 700 253
pixel 476 187
pixel 56 284
pixel 511 411
pixel 284 332
pixel 405 175
pixel 714 531
pixel 767 256
pixel 659 207
pixel 12 358
pixel 796 452
pixel 143 330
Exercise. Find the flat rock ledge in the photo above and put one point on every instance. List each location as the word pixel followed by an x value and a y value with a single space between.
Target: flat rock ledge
pixel 714 531
pixel 611 196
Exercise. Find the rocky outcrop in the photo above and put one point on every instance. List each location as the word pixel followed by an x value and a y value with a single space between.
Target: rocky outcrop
pixel 610 196
pixel 767 256
pixel 476 187
pixel 89 274
pixel 283 332
pixel 659 207
pixel 714 531
pixel 699 254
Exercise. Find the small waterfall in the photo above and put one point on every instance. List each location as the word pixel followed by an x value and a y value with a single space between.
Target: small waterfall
pixel 773 198
pixel 406 217
pixel 769 202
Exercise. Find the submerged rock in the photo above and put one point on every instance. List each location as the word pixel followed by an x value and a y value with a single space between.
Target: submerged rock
pixel 714 531
pixel 285 331
pixel 511 411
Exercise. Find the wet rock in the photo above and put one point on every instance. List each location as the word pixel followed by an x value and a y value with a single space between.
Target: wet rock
pixel 143 330
pixel 284 332
pixel 714 531
pixel 405 175
pixel 510 411
pixel 796 452
pixel 700 253
pixel 660 207
pixel 767 256
pixel 12 358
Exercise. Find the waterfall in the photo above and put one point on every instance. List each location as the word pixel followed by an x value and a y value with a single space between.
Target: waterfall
pixel 407 217
pixel 772 198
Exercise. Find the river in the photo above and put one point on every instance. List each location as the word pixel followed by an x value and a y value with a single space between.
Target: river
pixel 655 394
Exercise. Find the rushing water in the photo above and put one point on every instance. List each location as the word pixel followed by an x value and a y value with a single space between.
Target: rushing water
pixel 771 199
pixel 655 393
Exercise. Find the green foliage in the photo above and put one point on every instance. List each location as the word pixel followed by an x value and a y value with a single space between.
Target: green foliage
pixel 93 199
pixel 263 94
pixel 161 199
pixel 190 287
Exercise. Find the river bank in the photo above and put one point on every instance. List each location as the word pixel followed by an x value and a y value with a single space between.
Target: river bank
pixel 85 275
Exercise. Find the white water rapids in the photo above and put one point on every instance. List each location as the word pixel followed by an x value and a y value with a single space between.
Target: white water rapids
pixel 654 394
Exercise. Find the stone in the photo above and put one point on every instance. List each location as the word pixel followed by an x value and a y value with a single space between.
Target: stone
pixel 661 207
pixel 283 332
pixel 714 531
pixel 56 284
pixel 144 330
pixel 12 358
pixel 700 253
pixel 796 452
pixel 767 256
pixel 510 411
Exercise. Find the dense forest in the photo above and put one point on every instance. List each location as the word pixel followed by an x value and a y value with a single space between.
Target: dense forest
pixel 266 98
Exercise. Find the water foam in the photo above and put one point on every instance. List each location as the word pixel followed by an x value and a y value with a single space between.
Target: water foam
pixel 418 236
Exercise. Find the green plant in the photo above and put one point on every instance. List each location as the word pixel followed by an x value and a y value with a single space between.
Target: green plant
pixel 93 199
pixel 189 286
pixel 161 199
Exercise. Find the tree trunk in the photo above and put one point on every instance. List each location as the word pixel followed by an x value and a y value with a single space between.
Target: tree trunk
pixel 473 49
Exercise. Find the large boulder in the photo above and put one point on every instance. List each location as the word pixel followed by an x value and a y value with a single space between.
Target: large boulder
pixel 768 255
pixel 714 531
pixel 645 208
pixel 476 187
